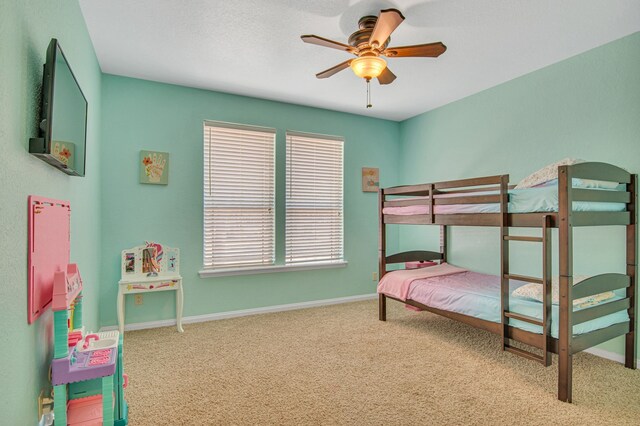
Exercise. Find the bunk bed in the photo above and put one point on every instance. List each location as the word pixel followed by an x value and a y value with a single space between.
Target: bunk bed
pixel 491 201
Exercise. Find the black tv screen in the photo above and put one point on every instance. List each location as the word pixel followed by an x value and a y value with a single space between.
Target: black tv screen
pixel 63 125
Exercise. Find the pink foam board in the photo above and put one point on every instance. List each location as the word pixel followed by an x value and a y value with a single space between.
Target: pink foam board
pixel 48 250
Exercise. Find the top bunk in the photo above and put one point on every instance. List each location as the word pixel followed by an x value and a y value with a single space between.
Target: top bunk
pixel 599 194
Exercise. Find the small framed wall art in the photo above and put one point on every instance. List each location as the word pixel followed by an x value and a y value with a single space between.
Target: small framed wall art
pixel 154 167
pixel 370 179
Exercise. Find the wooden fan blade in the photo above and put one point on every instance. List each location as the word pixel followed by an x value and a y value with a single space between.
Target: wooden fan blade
pixel 321 41
pixel 431 50
pixel 388 20
pixel 333 70
pixel 386 77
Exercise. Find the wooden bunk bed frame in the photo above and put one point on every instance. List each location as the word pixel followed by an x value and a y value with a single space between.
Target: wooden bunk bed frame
pixel 566 345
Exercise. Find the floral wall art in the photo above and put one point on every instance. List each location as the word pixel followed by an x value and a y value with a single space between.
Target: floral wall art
pixel 370 179
pixel 154 167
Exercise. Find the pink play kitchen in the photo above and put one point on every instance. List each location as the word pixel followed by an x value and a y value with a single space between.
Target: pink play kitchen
pixel 86 372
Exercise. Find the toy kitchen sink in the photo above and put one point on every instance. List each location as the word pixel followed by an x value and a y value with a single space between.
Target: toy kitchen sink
pixel 98 341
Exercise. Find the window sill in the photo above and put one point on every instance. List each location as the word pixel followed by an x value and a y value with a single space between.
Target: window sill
pixel 208 273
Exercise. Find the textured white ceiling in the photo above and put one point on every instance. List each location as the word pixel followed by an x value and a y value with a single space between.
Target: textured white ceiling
pixel 253 47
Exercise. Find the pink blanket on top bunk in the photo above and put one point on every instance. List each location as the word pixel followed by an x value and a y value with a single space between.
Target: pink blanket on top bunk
pixel 398 283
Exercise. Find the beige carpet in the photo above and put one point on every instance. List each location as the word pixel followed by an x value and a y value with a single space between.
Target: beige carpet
pixel 340 365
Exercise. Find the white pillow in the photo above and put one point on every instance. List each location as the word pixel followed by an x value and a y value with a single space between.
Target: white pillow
pixel 535 292
pixel 546 173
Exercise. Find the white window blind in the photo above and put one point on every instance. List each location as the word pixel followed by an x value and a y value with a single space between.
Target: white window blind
pixel 314 222
pixel 239 196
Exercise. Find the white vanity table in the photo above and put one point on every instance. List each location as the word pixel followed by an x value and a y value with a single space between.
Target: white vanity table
pixel 150 268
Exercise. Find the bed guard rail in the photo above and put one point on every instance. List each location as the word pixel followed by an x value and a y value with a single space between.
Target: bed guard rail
pixel 596 285
pixel 595 171
pixel 482 190
pixel 593 286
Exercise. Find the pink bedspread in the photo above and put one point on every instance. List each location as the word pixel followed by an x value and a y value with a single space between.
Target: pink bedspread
pixel 442 209
pixel 446 208
pixel 397 284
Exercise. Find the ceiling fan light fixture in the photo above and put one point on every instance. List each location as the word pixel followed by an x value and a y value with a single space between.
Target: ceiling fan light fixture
pixel 368 67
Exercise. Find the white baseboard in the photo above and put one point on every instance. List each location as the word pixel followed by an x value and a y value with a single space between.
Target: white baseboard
pixel 243 312
pixel 295 306
pixel 607 355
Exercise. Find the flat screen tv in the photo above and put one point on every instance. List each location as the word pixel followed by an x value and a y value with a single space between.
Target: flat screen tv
pixel 63 125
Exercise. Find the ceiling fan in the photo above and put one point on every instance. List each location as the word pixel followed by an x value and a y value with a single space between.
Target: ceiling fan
pixel 369 43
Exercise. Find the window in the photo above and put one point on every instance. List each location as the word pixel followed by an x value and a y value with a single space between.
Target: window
pixel 239 196
pixel 314 222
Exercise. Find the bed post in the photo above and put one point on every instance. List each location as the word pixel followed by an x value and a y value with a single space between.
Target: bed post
pixel 382 256
pixel 443 242
pixel 565 334
pixel 631 338
pixel 504 260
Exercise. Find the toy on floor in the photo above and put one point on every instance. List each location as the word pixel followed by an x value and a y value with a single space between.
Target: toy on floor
pixel 86 371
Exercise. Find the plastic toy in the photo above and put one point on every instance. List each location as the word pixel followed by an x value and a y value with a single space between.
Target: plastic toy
pixel 86 370
pixel 49 249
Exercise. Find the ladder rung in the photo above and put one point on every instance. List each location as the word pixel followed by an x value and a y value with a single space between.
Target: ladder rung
pixel 524 354
pixel 523 278
pixel 517 238
pixel 525 318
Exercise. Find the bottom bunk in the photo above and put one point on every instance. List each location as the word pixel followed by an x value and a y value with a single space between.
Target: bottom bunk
pixel 600 309
pixel 478 295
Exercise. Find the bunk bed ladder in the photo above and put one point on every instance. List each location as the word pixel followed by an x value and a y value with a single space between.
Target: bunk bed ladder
pixel 545 281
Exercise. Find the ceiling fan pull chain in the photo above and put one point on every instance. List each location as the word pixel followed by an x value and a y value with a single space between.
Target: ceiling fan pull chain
pixel 368 93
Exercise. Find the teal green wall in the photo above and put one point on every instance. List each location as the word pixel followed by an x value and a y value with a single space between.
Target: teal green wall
pixel 585 107
pixel 26 28
pixel 142 115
